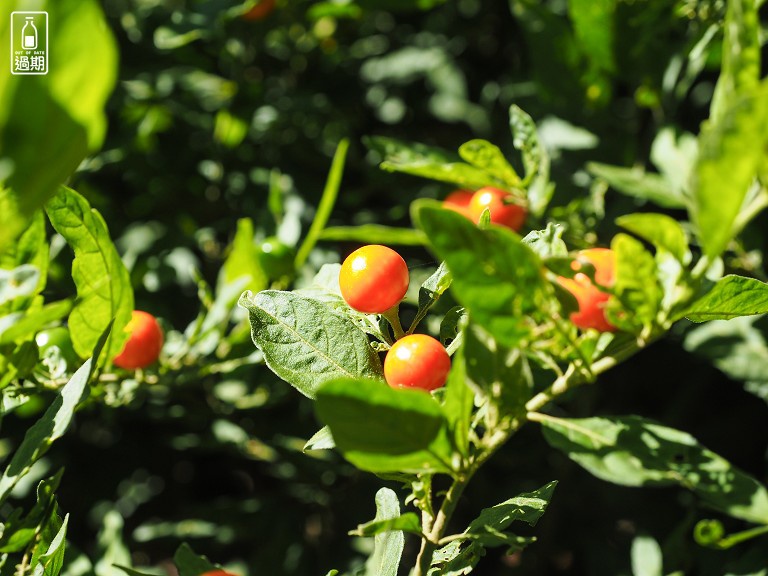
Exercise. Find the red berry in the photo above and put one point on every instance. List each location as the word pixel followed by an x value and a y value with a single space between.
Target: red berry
pixel 373 279
pixel 144 343
pixel 504 210
pixel 417 361
pixel 458 201
pixel 592 301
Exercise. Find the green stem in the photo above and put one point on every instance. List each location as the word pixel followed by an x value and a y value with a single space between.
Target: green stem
pixel 739 537
pixel 393 317
pixel 324 209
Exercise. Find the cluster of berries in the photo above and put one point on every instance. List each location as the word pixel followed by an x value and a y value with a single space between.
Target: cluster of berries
pixel 374 279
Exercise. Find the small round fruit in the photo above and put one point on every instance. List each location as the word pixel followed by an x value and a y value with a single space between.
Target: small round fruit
pixel 504 211
pixel 417 361
pixel 260 10
pixel 373 279
pixel 592 301
pixel 458 201
pixel 144 343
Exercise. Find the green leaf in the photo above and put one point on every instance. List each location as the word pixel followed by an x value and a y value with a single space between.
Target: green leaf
pixel 374 234
pixel 305 342
pixel 737 347
pixel 594 27
pixel 430 292
pixel 388 546
pixel 33 322
pixel 51 561
pixel 535 160
pixel 484 155
pixel 664 232
pixel 428 162
pixel 103 284
pixel 527 507
pixel 487 530
pixel 632 451
pixel 547 243
pixel 731 296
pixel 321 440
pixel 458 403
pixel 498 370
pixel 731 150
pixel 243 258
pixel 18 283
pixel 495 276
pixel 191 564
pixel 638 183
pixel 646 557
pixel 740 71
pixel 408 522
pixel 18 532
pixel 30 248
pixel 52 425
pixel 48 123
pixel 636 285
pixel 327 201
pixel 381 429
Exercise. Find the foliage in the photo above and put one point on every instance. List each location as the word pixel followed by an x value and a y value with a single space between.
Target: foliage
pixel 187 180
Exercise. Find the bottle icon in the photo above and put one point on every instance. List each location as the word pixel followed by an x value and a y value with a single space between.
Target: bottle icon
pixel 29 34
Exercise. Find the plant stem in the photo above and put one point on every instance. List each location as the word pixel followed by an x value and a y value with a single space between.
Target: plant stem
pixel 393 317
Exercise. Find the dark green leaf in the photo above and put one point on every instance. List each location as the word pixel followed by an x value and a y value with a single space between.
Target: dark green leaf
pixel 52 425
pixel 662 231
pixel 731 296
pixel 51 560
pixel 635 452
pixel 495 276
pixel 431 291
pixel 499 371
pixel 408 522
pixel 18 532
pixel 191 564
pixel 103 283
pixel 382 429
pixel 305 342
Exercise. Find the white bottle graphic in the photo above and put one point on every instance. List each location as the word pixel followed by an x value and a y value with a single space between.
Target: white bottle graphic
pixel 29 35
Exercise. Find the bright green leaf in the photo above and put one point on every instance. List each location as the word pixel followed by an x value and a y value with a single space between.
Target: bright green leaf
pixel 495 276
pixel 488 157
pixel 103 284
pixel 731 296
pixel 731 150
pixel 305 342
pixel 388 546
pixel 408 522
pixel 661 230
pixel 638 183
pixel 375 234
